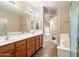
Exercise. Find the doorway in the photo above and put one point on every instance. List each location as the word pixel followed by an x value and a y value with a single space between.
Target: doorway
pixel 50 25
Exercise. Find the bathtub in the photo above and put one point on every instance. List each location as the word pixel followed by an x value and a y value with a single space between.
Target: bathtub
pixel 64 42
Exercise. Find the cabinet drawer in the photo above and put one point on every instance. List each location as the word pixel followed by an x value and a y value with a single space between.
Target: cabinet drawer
pixel 30 48
pixel 30 53
pixel 7 48
pixel 30 45
pixel 21 51
pixel 10 53
pixel 20 43
pixel 30 39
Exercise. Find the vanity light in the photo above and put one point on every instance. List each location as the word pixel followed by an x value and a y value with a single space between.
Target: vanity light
pixel 13 2
pixel 31 12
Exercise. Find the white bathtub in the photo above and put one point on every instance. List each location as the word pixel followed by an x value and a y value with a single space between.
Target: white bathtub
pixel 64 42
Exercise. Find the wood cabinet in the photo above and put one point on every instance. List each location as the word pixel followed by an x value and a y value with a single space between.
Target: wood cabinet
pixel 10 53
pixel 30 46
pixel 26 47
pixel 37 42
pixel 7 50
pixel 41 40
pixel 21 48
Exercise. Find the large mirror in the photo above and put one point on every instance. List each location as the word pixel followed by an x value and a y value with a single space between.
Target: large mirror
pixel 12 19
pixel 34 20
pixel 35 23
pixel 18 20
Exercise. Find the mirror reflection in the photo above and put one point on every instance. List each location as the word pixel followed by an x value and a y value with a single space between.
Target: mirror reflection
pixel 3 27
pixel 18 20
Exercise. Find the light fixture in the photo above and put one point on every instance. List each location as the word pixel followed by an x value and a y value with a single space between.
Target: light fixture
pixel 13 2
pixel 31 12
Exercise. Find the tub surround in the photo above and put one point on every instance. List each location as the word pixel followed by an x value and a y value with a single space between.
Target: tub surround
pixel 64 47
pixel 64 42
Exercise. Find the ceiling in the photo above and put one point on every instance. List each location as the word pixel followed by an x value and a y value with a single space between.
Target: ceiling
pixel 6 6
pixel 9 7
pixel 53 4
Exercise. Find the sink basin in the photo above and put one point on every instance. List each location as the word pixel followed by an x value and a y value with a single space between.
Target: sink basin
pixel 2 38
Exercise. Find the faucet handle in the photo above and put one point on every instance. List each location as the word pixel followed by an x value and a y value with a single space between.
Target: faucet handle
pixel 69 35
pixel 5 33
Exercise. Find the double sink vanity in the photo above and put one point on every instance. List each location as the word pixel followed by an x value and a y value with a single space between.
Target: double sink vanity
pixel 20 30
pixel 21 45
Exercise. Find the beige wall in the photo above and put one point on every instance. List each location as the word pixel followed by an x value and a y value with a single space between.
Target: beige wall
pixel 25 23
pixel 18 22
pixel 25 6
pixel 65 19
pixel 13 21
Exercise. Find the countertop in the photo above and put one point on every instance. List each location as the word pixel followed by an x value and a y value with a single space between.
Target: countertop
pixel 17 37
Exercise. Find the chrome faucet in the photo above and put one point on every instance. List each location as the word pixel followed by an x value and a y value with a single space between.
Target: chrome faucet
pixel 6 36
pixel 33 32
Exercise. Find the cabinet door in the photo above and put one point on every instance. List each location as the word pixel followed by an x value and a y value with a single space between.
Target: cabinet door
pixel 7 50
pixel 41 40
pixel 21 51
pixel 30 47
pixel 10 53
pixel 37 42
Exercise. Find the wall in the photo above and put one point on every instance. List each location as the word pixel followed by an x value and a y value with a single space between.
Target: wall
pixel 25 23
pixel 13 21
pixel 65 19
pixel 25 6
pixel 20 22
pixel 16 23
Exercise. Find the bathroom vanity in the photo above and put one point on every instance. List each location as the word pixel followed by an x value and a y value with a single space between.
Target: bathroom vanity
pixel 24 46
pixel 20 32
